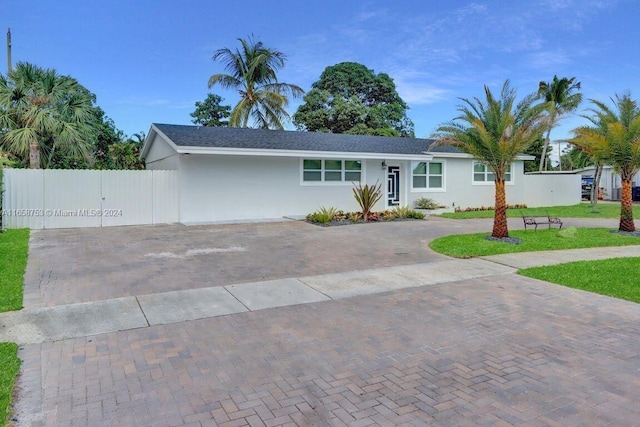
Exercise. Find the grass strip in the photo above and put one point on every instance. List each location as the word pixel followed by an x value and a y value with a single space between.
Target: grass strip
pixel 9 367
pixel 14 246
pixel 582 210
pixel 612 277
pixel 471 245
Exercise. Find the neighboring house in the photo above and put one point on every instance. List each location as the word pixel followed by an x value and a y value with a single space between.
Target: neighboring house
pixel 229 174
pixel 610 183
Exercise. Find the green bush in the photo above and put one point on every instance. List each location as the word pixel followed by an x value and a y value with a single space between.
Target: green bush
pixel 401 211
pixel 323 215
pixel 415 214
pixel 425 203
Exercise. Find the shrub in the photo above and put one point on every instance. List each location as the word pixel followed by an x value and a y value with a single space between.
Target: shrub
pixel 489 208
pixel 322 215
pixel 355 216
pixel 401 211
pixel 415 214
pixel 425 203
pixel 367 197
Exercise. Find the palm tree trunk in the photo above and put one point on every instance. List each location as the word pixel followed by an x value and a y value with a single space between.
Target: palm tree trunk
pixel 626 208
pixel 545 146
pixel 500 227
pixel 34 155
pixel 595 187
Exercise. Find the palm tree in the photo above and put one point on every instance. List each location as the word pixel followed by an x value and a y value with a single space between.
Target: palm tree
pixel 614 137
pixel 252 71
pixel 43 111
pixel 495 132
pixel 561 99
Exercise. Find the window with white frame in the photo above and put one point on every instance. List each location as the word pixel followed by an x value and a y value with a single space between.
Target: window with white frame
pixel 482 174
pixel 328 170
pixel 427 175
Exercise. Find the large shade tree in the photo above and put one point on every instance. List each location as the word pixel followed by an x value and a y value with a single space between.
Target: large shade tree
pixel 350 98
pixel 252 71
pixel 562 97
pixel 210 112
pixel 44 112
pixel 495 131
pixel 614 137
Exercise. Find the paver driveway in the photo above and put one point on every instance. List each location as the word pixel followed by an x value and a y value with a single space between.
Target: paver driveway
pixel 501 350
pixel 81 265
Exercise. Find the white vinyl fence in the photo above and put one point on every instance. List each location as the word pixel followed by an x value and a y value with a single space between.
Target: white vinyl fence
pixel 52 198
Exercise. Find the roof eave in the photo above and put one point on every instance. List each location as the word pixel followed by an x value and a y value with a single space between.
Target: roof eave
pixel 227 151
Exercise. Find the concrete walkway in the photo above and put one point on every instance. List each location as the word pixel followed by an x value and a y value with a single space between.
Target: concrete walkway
pixel 55 323
pixel 32 326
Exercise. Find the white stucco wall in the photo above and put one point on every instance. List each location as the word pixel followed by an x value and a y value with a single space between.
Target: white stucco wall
pixel 224 188
pixel 229 188
pixel 547 190
pixel 532 190
pixel 161 156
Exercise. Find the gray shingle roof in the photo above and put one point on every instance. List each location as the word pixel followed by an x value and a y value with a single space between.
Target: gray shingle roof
pixel 224 137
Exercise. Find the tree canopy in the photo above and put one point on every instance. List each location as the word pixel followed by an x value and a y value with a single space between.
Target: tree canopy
pixel 44 112
pixel 614 138
pixel 562 97
pixel 210 113
pixel 252 70
pixel 350 98
pixel 51 121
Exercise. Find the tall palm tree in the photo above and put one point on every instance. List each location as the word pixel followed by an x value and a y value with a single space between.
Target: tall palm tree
pixel 252 71
pixel 41 110
pixel 614 137
pixel 495 132
pixel 562 99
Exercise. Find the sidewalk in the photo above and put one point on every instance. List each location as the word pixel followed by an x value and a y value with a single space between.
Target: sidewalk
pixel 34 326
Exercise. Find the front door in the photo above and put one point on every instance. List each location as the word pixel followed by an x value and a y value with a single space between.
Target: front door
pixel 393 186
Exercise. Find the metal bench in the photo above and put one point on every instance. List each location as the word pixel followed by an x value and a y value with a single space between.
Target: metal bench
pixel 536 221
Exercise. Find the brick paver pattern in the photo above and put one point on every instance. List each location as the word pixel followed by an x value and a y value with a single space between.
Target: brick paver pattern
pixel 505 350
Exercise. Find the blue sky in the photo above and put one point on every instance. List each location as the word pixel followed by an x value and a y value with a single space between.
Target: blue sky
pixel 149 61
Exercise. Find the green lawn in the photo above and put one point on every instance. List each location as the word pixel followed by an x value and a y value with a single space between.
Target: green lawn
pixel 9 366
pixel 14 245
pixel 606 277
pixel 470 245
pixel 13 261
pixel 582 210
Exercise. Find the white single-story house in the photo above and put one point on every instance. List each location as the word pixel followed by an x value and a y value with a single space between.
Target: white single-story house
pixel 230 174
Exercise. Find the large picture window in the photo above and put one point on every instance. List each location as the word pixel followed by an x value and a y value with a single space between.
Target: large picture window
pixel 319 170
pixel 482 174
pixel 427 175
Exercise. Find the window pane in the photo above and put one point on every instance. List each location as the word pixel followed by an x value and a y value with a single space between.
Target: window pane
pixel 333 176
pixel 311 176
pixel 435 182
pixel 478 177
pixel 420 169
pixel 419 182
pixel 312 164
pixel 478 167
pixel 507 176
pixel 352 165
pixel 490 177
pixel 435 168
pixel 352 176
pixel 333 165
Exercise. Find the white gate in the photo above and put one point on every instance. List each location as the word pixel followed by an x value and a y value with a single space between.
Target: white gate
pixel 53 198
